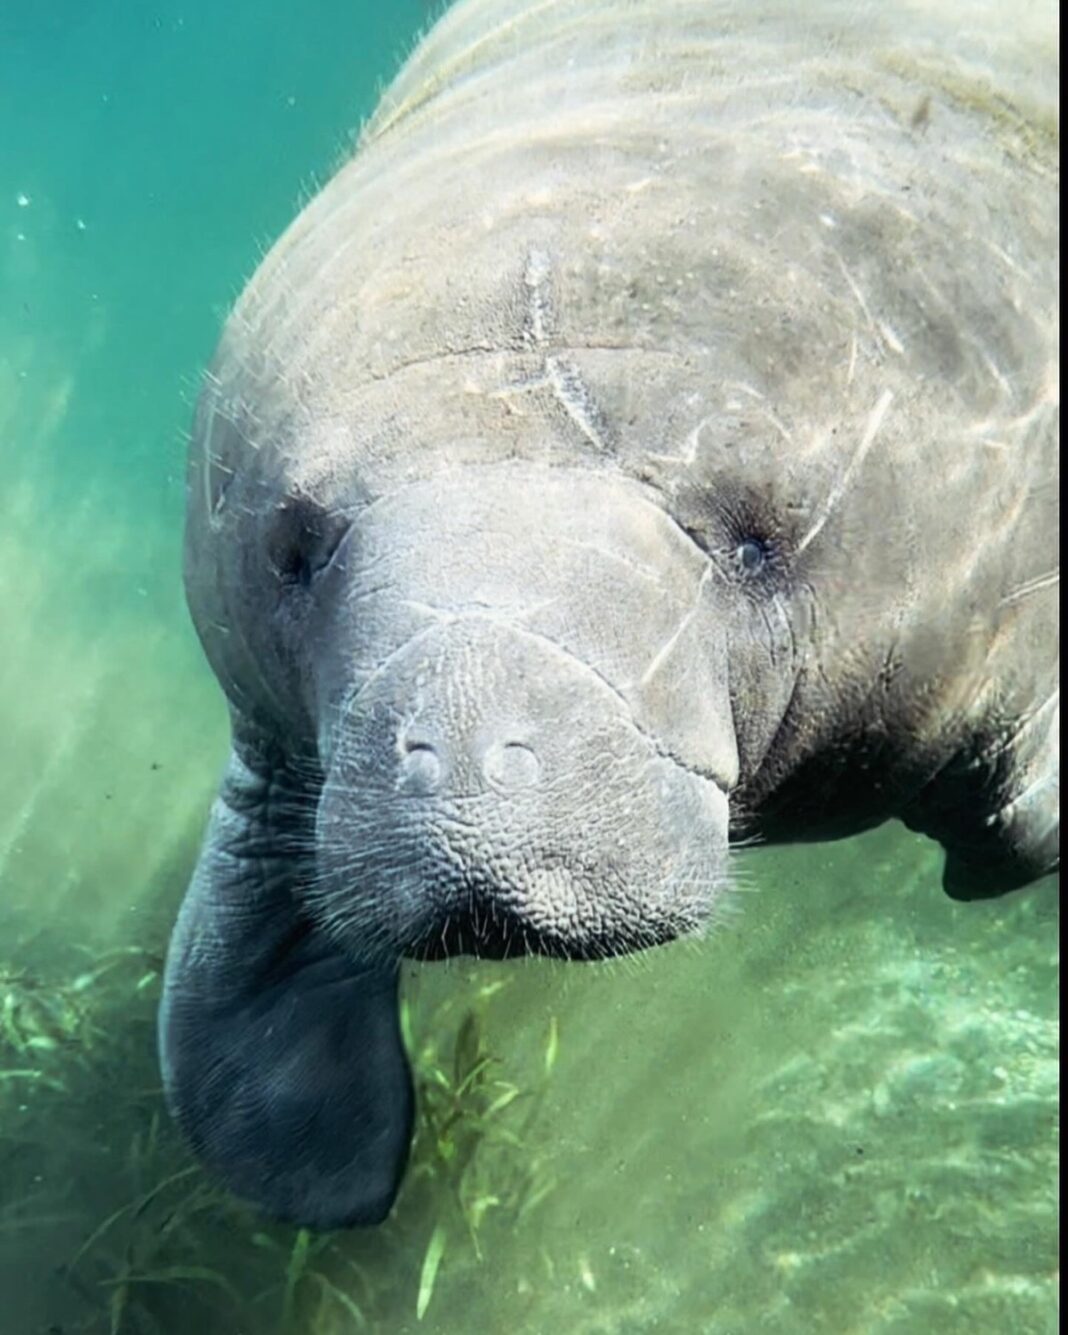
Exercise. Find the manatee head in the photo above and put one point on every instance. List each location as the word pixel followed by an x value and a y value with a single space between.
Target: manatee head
pixel 500 694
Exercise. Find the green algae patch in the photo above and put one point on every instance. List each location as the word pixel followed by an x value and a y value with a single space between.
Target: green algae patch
pixel 1028 133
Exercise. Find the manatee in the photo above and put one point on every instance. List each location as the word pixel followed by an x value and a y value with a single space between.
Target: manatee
pixel 646 442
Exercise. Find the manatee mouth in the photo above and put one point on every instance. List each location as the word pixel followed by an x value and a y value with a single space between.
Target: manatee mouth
pixel 507 940
pixel 504 936
pixel 489 924
pixel 427 881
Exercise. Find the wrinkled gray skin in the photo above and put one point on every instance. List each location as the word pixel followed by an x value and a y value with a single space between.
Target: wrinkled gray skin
pixel 647 440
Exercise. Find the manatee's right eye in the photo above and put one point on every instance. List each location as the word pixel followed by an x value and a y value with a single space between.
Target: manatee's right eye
pixel 303 539
pixel 294 566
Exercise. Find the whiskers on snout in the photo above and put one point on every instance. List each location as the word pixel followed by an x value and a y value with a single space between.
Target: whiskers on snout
pixel 432 908
pixel 412 882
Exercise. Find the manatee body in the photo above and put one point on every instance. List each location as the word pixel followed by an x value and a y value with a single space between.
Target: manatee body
pixel 646 441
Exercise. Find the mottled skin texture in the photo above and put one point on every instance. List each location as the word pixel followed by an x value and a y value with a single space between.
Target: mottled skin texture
pixel 647 440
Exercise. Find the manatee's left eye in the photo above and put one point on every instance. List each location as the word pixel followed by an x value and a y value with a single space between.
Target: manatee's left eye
pixel 751 555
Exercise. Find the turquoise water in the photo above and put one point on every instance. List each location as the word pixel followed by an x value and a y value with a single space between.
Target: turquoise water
pixel 838 1114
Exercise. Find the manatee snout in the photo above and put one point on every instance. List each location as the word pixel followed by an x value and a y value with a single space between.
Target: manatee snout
pixel 490 793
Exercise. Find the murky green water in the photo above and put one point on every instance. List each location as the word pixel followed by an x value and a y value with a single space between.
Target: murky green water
pixel 838 1114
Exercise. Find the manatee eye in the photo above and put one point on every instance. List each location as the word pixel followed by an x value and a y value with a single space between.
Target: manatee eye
pixel 295 567
pixel 303 539
pixel 751 554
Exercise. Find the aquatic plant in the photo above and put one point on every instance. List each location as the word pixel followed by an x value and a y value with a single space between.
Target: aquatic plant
pixel 474 1157
pixel 41 1021
pixel 78 1080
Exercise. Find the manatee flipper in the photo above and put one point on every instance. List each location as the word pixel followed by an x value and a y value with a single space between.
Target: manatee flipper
pixel 282 1060
pixel 1018 784
pixel 1025 827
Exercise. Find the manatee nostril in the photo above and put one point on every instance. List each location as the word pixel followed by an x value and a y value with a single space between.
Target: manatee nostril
pixel 511 765
pixel 420 768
